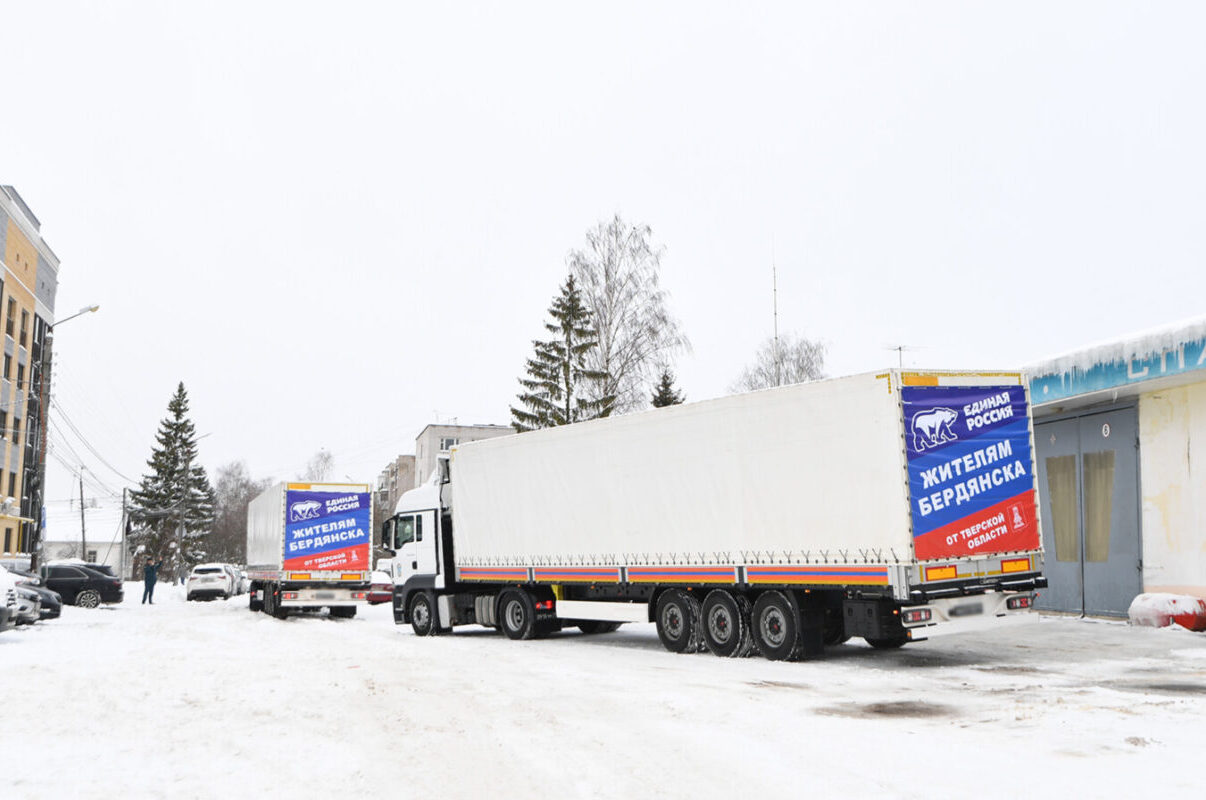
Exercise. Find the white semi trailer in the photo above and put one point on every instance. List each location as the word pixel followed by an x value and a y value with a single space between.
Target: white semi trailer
pixel 309 546
pixel 893 506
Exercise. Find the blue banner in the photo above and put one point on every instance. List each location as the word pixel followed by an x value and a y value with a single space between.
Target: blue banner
pixel 968 452
pixel 327 530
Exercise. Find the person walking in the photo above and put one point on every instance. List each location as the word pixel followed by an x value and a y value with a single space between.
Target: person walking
pixel 150 574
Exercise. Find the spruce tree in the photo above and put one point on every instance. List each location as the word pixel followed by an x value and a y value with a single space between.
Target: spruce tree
pixel 665 394
pixel 173 507
pixel 559 389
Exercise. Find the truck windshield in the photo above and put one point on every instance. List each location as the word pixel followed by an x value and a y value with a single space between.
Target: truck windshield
pixel 408 529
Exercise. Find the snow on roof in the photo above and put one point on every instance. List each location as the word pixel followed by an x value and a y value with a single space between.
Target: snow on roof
pixel 1136 346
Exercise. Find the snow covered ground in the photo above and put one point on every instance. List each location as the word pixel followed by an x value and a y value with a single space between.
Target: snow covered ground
pixel 210 700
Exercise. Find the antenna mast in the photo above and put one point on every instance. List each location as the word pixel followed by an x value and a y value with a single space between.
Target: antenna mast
pixel 775 298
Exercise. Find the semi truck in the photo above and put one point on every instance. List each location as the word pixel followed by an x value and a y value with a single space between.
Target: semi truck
pixel 894 506
pixel 308 547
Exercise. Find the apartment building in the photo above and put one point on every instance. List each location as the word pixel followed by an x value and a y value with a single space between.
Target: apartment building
pixel 28 283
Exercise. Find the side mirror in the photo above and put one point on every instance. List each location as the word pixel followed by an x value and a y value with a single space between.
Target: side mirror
pixel 387 536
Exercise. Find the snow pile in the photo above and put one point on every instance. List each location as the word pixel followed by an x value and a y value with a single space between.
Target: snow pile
pixel 1162 610
pixel 1135 347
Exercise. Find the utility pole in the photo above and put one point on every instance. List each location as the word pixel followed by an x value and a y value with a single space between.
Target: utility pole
pixel 83 532
pixel 180 528
pixel 44 378
pixel 124 526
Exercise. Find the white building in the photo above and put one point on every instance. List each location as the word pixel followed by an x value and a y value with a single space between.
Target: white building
pixel 97 538
pixel 1120 435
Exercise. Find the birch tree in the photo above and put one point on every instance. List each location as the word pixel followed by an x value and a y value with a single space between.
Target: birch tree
pixel 618 274
pixel 793 359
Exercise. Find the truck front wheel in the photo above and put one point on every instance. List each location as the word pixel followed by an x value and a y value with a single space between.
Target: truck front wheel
pixel 422 614
pixel 517 614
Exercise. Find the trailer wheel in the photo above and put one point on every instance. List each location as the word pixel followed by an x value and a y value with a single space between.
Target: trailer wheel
pixel 422 614
pixel 776 626
pixel 726 627
pixel 677 616
pixel 517 614
pixel 890 643
pixel 596 626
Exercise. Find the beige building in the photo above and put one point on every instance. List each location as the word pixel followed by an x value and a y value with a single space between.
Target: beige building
pixel 394 480
pixel 28 283
pixel 406 472
pixel 437 440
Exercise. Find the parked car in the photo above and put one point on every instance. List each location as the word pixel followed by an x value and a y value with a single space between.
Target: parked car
pixel 52 602
pixel 236 580
pixel 29 606
pixel 82 586
pixel 207 581
pixel 382 590
pixel 104 569
pixel 8 600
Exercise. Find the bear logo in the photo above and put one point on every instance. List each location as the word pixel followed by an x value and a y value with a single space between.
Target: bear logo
pixel 932 428
pixel 303 510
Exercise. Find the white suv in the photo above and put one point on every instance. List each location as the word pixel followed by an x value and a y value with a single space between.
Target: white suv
pixel 207 581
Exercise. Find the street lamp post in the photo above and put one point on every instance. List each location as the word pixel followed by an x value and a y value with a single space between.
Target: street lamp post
pixel 35 544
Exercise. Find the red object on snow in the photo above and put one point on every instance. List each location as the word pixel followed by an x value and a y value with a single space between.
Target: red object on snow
pixel 1162 610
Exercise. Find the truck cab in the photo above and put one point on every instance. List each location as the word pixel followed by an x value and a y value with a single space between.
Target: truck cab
pixel 417 536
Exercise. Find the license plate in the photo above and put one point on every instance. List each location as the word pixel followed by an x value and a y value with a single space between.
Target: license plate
pixel 324 595
pixel 967 610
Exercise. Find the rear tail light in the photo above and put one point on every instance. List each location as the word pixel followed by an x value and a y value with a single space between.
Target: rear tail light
pixel 1021 601
pixel 917 615
pixel 544 605
pixel 359 595
pixel 288 595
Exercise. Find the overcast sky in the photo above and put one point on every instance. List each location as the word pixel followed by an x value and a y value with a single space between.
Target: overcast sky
pixel 337 223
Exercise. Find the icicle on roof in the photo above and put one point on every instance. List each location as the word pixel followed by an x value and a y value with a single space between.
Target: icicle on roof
pixel 1134 347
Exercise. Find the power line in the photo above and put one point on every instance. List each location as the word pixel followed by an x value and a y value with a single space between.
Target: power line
pixel 58 409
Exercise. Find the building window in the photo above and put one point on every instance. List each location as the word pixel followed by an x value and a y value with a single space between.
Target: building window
pixel 12 482
pixel 8 540
pixel 12 312
pixel 448 442
pixel 16 437
pixel 20 376
pixel 24 326
pixel 8 366
pixel 3 424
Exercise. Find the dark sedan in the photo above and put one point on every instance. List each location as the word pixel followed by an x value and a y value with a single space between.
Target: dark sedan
pixel 52 603
pixel 82 586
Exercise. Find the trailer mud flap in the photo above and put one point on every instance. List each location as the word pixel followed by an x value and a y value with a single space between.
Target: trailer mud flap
pixel 872 619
